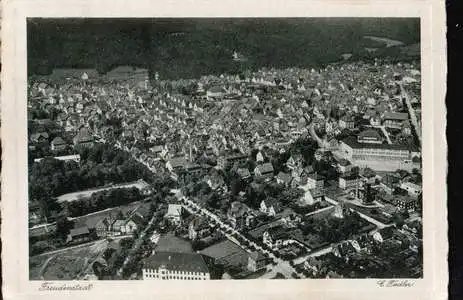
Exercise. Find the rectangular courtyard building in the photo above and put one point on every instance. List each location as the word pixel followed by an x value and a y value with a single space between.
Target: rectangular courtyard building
pixel 175 266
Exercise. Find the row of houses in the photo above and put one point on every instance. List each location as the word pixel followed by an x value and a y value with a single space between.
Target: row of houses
pixel 106 227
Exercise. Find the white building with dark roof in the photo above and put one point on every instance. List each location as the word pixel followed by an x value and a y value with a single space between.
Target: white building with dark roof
pixel 379 157
pixel 58 144
pixel 264 171
pixel 174 213
pixel 175 266
pixel 394 119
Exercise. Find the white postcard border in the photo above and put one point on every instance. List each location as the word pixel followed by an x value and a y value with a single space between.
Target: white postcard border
pixel 14 133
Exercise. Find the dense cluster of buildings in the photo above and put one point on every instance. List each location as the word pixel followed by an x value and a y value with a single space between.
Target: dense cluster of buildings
pixel 195 130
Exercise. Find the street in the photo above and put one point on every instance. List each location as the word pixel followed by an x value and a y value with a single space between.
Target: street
pixel 411 112
pixel 282 266
pixel 369 219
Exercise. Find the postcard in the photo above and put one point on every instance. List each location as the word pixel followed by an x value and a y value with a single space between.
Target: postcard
pixel 197 149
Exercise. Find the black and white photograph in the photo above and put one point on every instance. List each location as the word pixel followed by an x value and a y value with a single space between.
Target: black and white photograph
pixel 224 148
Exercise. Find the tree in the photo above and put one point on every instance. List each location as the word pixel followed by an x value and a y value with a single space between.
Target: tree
pixel 213 200
pixel 63 227
pixel 108 253
pixel 236 186
pixel 40 247
pixel 398 219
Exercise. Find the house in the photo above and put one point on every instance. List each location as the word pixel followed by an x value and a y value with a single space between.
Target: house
pixel 198 228
pixel 256 261
pixel 118 227
pixel 370 136
pixel 240 215
pixel 176 164
pixel 375 121
pixel 346 248
pixel 103 227
pixel 349 181
pixel 83 138
pixel 243 174
pixel 347 122
pixel 344 166
pixel 79 235
pixel 394 119
pixel 284 179
pixel 175 266
pixel 215 181
pixel 294 161
pixel 369 176
pixel 270 206
pixel 39 137
pixel 315 181
pixel 192 172
pixel 229 160
pixel 127 226
pixel 383 234
pixel 264 171
pixel 406 128
pixel 174 213
pixel 401 202
pixel 413 190
pixel 313 264
pixel 299 177
pixel 365 241
pixel 215 92
pixel 158 151
pixel 35 212
pixel 389 183
pixel 288 216
pixel 58 144
pixel 405 203
pixel 276 237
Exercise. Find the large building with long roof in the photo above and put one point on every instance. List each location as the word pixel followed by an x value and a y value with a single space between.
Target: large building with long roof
pixel 175 266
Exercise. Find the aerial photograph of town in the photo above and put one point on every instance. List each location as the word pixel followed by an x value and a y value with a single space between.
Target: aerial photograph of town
pixel 224 148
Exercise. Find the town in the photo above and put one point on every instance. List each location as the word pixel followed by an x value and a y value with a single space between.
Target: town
pixel 268 174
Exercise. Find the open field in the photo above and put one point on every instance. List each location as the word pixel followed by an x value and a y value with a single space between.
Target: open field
pixel 171 243
pixel 90 220
pixel 67 264
pixel 87 193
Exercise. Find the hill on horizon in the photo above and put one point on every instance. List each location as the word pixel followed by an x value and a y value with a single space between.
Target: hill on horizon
pixel 186 48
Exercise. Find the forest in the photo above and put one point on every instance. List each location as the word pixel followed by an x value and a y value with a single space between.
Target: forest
pixel 189 48
pixel 101 165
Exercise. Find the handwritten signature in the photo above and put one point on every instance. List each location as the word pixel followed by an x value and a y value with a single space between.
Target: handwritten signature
pixel 50 286
pixel 395 283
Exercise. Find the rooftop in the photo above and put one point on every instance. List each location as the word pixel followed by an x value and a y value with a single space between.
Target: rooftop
pixel 395 116
pixel 174 210
pixel 369 134
pixel 176 261
pixel 285 177
pixel 265 168
pixel 352 142
pixel 177 162
pixel 79 231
